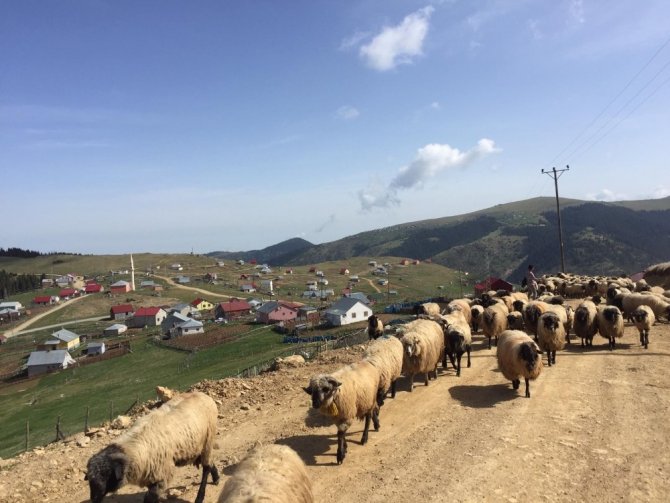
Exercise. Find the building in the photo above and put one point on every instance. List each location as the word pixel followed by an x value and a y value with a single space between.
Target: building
pixel 45 300
pixel 14 305
pixel 93 288
pixel 120 287
pixel 344 271
pixel 114 330
pixel 121 312
pixel 183 280
pixel 95 348
pixel 360 296
pixel 176 267
pixel 65 281
pixel 492 283
pixel 68 293
pixel 347 310
pixel 8 314
pixel 188 327
pixel 202 304
pixel 41 362
pixel 234 308
pixel 247 288
pixel 66 339
pixel 171 321
pixel 147 317
pixel 276 311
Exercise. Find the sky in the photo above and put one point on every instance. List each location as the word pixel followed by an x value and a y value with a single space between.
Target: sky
pixel 177 126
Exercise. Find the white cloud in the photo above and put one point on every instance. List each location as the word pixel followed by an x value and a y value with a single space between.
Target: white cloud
pixel 534 29
pixel 347 112
pixel 398 44
pixel 606 195
pixel 660 192
pixel 576 10
pixel 430 160
pixel 353 41
pixel 435 105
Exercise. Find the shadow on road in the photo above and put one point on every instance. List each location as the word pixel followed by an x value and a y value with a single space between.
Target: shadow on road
pixel 481 397
pixel 311 446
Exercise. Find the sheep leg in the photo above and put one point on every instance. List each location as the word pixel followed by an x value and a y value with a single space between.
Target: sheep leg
pixel 468 348
pixel 411 382
pixel 153 494
pixel 489 342
pixel 527 387
pixel 206 470
pixel 381 394
pixel 426 377
pixel 515 383
pixel 375 419
pixel 458 360
pixel 393 389
pixel 341 445
pixel 364 438
pixel 453 361
pixel 646 339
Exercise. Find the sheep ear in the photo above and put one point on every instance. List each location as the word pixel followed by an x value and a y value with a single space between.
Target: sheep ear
pixel 86 476
pixel 307 390
pixel 334 383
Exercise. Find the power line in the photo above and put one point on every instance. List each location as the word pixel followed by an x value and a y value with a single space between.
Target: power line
pixel 583 132
pixel 556 174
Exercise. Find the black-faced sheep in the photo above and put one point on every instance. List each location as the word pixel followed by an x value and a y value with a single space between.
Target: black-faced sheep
pixel 494 321
pixel 457 340
pixel 515 320
pixel 629 302
pixel 551 335
pixel 182 431
pixel 518 356
pixel 586 323
pixel 423 342
pixel 477 312
pixel 644 318
pixel 386 354
pixel 610 324
pixel 375 327
pixel 531 314
pixel 269 473
pixel 347 394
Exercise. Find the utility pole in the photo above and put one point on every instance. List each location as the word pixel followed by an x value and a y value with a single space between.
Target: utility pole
pixel 556 174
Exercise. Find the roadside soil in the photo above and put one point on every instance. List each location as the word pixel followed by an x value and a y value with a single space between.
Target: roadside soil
pixel 595 429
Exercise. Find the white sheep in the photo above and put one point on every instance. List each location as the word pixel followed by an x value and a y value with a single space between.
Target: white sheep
pixel 551 335
pixel 531 313
pixel 180 432
pixel 269 473
pixel 586 323
pixel 462 305
pixel 348 393
pixel 518 356
pixel 477 312
pixel 644 318
pixel 457 339
pixel 375 327
pixel 423 342
pixel 429 309
pixel 629 302
pixel 610 324
pixel 494 321
pixel 386 354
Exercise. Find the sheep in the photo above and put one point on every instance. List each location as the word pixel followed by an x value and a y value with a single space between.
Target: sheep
pixel 551 335
pixel 477 312
pixel 586 323
pixel 182 431
pixel 457 340
pixel 610 324
pixel 644 318
pixel 348 393
pixel 515 320
pixel 462 305
pixel 518 356
pixel 494 321
pixel 269 473
pixel 386 354
pixel 375 327
pixel 629 302
pixel 430 309
pixel 423 343
pixel 531 313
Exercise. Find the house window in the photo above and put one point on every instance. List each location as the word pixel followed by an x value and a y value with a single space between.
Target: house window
pixel 353 315
pixel 365 314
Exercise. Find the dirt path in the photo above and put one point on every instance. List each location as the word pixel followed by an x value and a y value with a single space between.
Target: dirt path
pixel 171 282
pixel 22 326
pixel 595 429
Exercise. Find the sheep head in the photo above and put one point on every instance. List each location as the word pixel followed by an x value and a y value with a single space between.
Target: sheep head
pixel 106 471
pixel 322 389
pixel 611 314
pixel 411 345
pixel 550 321
pixel 530 352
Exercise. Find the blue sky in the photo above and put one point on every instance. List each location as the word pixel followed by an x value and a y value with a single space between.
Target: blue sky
pixel 166 126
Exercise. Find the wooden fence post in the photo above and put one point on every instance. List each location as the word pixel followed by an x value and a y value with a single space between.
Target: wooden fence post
pixel 58 435
pixel 86 420
pixel 111 411
pixel 27 433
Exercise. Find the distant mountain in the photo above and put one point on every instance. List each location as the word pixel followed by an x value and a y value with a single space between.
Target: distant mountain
pixel 599 238
pixel 279 254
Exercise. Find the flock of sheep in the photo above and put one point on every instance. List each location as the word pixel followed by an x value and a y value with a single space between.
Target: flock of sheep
pixel 182 430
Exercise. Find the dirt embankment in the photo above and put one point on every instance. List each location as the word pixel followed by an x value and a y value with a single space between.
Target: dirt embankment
pixel 595 429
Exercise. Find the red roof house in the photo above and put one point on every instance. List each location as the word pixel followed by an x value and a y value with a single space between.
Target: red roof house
pixel 147 317
pixel 93 288
pixel 43 300
pixel 234 308
pixel 492 283
pixel 121 312
pixel 67 293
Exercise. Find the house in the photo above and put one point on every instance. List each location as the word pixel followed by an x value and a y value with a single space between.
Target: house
pixel 188 328
pixel 95 348
pixel 382 282
pixel 202 304
pixel 289 271
pixel 67 340
pixel 176 267
pixel 360 296
pixel 347 310
pixel 172 320
pixel 247 288
pixel 240 262
pixel 318 294
pixel 93 288
pixel 266 285
pixel 309 313
pixel 15 305
pixel 372 263
pixel 45 300
pixel 183 280
pixel 8 314
pixel 266 270
pixel 234 308
pixel 47 282
pixel 120 287
pixel 182 308
pixel 275 311
pixel 354 279
pixel 121 312
pixel 320 274
pixel 114 330
pixel 416 262
pixel 322 281
pixel 68 293
pixel 147 283
pixel 492 283
pixel 65 281
pixel 254 303
pixel 41 362
pixel 220 263
pixel 147 317
pixel 312 269
pixel 210 277
pixel 344 271
pixel 404 262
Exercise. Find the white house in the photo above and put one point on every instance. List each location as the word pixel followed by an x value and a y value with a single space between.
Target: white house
pixel 187 328
pixel 116 329
pixel 346 311
pixel 176 267
pixel 15 306
pixel 95 348
pixel 266 285
pixel 41 362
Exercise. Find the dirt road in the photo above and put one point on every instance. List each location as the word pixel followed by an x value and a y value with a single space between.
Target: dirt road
pixel 20 328
pixel 174 284
pixel 595 429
